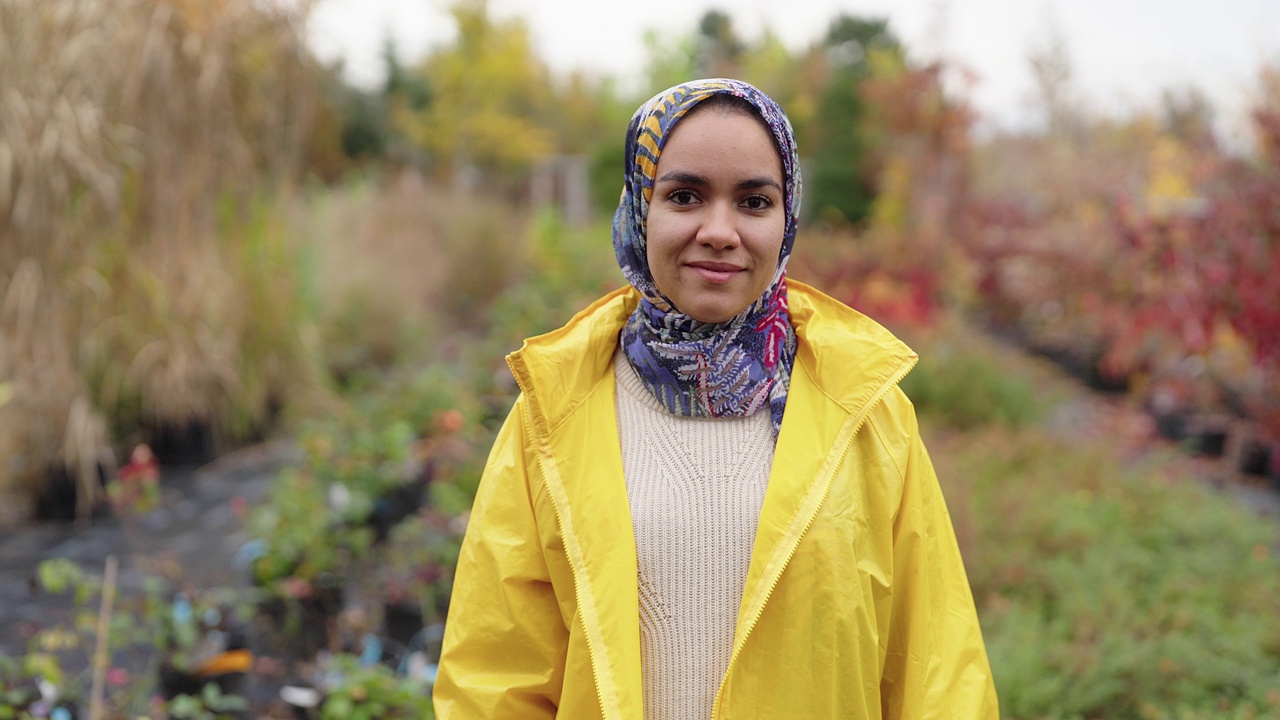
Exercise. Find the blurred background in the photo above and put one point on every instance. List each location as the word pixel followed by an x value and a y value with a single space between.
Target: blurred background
pixel 261 260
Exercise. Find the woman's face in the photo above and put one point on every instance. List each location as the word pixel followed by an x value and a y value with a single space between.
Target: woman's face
pixel 716 220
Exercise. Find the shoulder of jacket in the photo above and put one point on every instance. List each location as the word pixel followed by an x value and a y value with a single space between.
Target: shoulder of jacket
pixel 850 356
pixel 558 370
pixel 824 319
pixel 894 423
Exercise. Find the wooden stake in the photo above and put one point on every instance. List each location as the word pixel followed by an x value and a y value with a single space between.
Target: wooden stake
pixel 100 655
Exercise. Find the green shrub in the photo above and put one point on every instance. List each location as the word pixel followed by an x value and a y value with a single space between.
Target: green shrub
pixel 1114 592
pixel 964 384
pixel 303 539
pixel 568 268
pixel 374 693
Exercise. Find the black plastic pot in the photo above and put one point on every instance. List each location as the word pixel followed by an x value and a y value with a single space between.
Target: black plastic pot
pixel 393 507
pixel 298 628
pixel 1211 443
pixel 59 496
pixel 401 621
pixel 1106 382
pixel 1273 468
pixel 1255 457
pixel 1207 436
pixel 191 443
pixel 174 682
pixel 1171 425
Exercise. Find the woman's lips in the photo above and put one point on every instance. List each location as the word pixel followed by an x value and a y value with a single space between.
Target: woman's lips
pixel 715 272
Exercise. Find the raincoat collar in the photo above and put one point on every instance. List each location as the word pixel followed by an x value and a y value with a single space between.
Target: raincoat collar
pixel 849 354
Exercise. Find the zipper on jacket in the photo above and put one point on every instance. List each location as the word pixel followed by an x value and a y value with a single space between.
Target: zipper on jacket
pixel 577 590
pixel 844 452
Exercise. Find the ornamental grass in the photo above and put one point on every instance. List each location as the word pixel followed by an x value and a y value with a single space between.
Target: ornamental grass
pixel 147 152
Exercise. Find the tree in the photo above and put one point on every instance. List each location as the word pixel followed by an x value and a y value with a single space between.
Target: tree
pixel 843 186
pixel 1051 68
pixel 1188 116
pixel 669 59
pixel 720 51
pixel 487 92
pixel 1266 114
pixel 771 67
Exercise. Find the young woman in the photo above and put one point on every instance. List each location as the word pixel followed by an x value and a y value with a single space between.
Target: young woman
pixel 711 499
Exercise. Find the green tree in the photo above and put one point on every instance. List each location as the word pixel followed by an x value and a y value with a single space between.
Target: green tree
pixel 843 186
pixel 719 50
pixel 401 83
pixel 669 60
pixel 771 67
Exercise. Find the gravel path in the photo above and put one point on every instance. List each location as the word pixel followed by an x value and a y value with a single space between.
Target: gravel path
pixel 194 531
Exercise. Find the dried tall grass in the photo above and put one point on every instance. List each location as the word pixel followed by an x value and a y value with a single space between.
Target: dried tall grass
pixel 146 273
pixel 411 260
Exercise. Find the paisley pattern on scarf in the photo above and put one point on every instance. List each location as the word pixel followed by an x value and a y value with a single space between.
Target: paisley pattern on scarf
pixel 695 369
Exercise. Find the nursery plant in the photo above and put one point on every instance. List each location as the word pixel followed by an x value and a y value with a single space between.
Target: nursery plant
pixel 33 687
pixel 147 640
pixel 201 640
pixel 302 548
pixel 416 573
pixel 1144 261
pixel 356 690
pixel 1110 591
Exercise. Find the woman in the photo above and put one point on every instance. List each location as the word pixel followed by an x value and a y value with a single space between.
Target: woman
pixel 711 499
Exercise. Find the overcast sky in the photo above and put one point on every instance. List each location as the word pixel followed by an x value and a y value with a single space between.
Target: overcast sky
pixel 1124 52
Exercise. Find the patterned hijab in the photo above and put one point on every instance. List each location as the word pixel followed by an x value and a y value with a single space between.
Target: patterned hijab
pixel 695 369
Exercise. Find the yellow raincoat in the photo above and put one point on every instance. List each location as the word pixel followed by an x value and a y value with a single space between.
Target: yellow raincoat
pixel 856 602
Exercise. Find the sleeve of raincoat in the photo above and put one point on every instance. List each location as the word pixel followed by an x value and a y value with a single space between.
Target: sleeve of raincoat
pixel 504 644
pixel 936 663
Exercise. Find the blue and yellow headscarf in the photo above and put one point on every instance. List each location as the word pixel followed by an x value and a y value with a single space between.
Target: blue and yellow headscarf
pixel 696 369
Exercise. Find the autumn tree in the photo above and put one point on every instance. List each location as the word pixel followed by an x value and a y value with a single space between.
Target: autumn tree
pixel 1055 88
pixel 1266 115
pixel 1187 114
pixel 487 92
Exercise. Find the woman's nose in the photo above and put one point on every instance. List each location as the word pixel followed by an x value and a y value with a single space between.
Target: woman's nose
pixel 718 229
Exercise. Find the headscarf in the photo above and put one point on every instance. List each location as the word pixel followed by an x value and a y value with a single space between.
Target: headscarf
pixel 695 369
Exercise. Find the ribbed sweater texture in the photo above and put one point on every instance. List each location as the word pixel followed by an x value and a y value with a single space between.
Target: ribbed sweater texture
pixel 696 486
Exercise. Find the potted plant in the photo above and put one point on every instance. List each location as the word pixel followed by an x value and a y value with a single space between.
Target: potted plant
pixel 348 687
pixel 69 641
pixel 299 558
pixel 417 574
pixel 202 641
pixel 33 687
pixel 369 471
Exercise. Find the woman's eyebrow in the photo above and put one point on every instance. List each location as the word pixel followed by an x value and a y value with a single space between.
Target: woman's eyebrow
pixel 684 178
pixel 688 178
pixel 759 182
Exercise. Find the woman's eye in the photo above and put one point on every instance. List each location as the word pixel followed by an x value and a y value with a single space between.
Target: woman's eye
pixel 682 197
pixel 756 202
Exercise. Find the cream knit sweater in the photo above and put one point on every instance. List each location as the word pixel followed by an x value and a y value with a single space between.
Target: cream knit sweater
pixel 695 487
